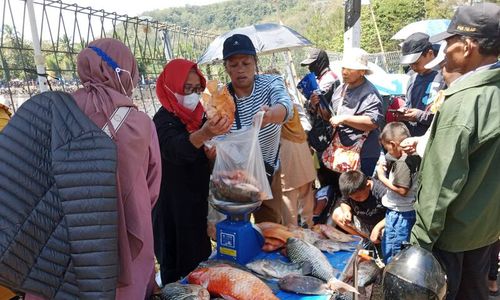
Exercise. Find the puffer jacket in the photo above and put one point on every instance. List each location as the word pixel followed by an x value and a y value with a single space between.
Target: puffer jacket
pixel 58 218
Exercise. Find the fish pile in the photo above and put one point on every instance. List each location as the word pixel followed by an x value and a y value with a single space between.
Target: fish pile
pixel 231 283
pixel 179 291
pixel 235 186
pixel 325 237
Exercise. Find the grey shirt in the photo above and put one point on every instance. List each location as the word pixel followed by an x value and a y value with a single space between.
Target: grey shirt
pixel 403 173
pixel 363 100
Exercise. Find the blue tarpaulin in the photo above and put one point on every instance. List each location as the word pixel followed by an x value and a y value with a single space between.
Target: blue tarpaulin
pixel 339 260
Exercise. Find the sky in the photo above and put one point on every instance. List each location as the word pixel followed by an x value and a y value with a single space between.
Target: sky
pixel 129 7
pixel 136 7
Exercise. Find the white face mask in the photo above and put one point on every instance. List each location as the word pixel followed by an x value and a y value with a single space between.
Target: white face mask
pixel 188 101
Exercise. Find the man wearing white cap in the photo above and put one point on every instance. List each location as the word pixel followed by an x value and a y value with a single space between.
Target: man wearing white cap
pixel 423 84
pixel 416 144
pixel 360 110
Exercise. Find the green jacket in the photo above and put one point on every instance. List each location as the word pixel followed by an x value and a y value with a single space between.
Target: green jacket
pixel 458 203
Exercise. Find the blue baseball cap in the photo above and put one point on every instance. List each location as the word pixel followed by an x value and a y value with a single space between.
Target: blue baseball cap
pixel 237 44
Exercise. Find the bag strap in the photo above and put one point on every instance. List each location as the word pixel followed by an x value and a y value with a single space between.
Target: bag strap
pixel 236 113
pixel 342 97
pixel 117 119
pixel 365 134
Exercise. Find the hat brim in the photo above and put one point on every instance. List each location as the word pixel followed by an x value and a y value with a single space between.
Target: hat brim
pixel 440 57
pixel 410 58
pixel 356 66
pixel 441 36
pixel 236 52
pixel 307 61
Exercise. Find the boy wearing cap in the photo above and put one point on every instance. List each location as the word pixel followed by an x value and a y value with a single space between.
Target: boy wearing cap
pixel 423 84
pixel 458 203
pixel 252 93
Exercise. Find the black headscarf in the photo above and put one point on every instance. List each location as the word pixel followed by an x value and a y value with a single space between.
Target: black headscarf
pixel 320 64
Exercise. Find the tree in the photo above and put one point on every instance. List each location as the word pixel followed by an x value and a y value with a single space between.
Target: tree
pixel 17 56
pixel 390 15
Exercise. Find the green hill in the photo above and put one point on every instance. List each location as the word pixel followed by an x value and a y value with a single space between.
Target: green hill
pixel 322 21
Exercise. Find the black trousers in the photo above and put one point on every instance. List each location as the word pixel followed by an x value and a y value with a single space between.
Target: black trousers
pixel 180 235
pixel 467 273
pixel 493 273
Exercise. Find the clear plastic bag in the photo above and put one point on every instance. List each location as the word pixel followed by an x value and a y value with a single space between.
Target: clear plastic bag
pixel 239 174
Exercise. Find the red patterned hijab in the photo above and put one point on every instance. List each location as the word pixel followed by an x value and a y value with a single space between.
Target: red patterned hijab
pixel 171 81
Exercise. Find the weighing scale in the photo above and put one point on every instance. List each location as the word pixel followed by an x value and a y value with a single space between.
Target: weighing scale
pixel 238 239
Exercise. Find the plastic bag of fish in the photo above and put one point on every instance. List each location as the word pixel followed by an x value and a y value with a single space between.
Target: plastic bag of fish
pixel 235 186
pixel 239 174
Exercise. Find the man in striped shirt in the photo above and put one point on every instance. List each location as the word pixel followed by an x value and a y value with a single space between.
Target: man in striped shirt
pixel 252 93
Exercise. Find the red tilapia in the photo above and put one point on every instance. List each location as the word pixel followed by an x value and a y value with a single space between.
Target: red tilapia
pixel 231 283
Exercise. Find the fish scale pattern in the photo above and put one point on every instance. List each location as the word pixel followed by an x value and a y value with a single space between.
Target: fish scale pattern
pixel 300 251
pixel 58 216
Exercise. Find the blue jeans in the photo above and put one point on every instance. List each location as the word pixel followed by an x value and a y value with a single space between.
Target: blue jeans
pixel 397 230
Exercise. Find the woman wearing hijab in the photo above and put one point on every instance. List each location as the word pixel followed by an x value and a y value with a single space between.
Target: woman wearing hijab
pixel 108 72
pixel 180 216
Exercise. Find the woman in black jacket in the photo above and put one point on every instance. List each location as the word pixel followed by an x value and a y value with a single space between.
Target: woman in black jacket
pixel 180 215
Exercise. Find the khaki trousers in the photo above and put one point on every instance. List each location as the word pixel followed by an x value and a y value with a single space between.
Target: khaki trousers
pixel 299 201
pixel 270 210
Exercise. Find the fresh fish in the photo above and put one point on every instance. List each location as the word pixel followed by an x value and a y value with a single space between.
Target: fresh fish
pixel 218 262
pixel 368 271
pixel 235 186
pixel 179 291
pixel 277 233
pixel 307 285
pixel 267 225
pixel 272 244
pixel 331 246
pixel 278 269
pixel 333 233
pixel 231 283
pixel 307 234
pixel 300 252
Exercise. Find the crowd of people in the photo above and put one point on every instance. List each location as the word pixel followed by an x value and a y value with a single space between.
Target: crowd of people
pixel 428 177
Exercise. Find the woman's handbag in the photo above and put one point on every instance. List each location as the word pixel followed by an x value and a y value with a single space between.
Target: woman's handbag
pixel 340 158
pixel 321 133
